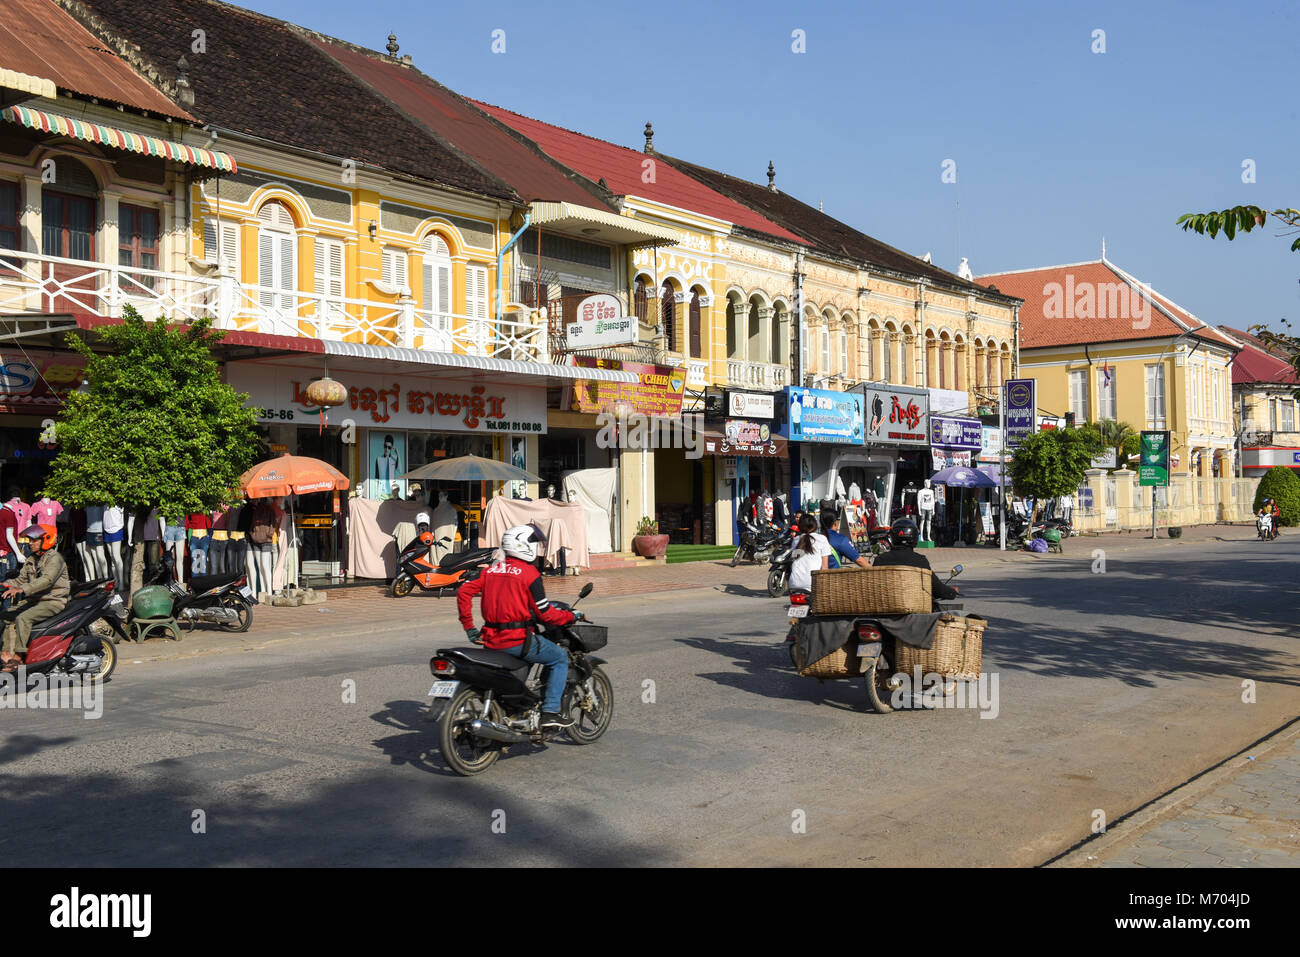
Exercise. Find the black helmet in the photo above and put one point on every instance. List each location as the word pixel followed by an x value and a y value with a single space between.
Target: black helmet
pixel 903 533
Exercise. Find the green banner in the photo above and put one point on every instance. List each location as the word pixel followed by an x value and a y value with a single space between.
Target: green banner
pixel 1153 461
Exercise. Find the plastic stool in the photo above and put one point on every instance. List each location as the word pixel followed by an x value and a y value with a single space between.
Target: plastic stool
pixel 143 628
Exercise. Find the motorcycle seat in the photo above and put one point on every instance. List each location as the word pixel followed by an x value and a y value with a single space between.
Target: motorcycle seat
pixel 201 583
pixel 488 658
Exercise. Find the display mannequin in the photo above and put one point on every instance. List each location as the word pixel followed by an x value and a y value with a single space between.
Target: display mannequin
pixel 925 505
pixel 9 554
pixel 114 526
pixel 264 520
pixel 45 513
pixel 22 513
pixel 148 531
pixel 198 526
pixel 237 521
pixel 445 520
pixel 220 539
pixel 173 537
pixel 909 499
pixel 286 560
pixel 79 544
pixel 95 542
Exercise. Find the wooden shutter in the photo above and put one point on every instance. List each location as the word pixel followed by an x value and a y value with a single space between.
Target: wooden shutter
pixel 695 325
pixel 329 278
pixel 476 294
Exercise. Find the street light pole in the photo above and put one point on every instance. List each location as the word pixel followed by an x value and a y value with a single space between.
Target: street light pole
pixel 1002 467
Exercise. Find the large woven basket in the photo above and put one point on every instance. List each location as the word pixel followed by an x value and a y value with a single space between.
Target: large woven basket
pixel 888 590
pixel 841 663
pixel 957 651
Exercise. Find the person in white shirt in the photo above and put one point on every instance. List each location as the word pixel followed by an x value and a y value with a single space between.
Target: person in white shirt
pixel 1067 508
pixel 811 551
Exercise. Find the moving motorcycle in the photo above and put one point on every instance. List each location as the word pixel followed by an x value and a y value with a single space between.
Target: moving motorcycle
pixel 65 643
pixel 486 701
pixel 1265 528
pixel 452 571
pixel 876 649
pixel 757 543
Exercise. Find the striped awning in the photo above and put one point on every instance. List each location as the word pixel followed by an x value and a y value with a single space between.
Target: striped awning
pixel 117 138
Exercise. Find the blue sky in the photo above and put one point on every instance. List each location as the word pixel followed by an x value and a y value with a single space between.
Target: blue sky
pixel 1056 146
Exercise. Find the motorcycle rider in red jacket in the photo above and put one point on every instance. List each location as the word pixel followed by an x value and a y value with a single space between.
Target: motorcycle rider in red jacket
pixel 513 599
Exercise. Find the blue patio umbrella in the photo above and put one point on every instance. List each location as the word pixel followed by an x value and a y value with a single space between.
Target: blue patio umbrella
pixel 959 476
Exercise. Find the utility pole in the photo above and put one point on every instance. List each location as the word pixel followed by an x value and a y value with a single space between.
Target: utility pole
pixel 1002 467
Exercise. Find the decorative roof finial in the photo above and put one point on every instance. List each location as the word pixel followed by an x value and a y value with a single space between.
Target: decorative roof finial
pixel 392 47
pixel 771 176
pixel 649 138
pixel 184 92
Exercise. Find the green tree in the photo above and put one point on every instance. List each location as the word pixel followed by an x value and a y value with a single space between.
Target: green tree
pixel 1244 219
pixel 1052 463
pixel 156 426
pixel 1120 436
pixel 1282 485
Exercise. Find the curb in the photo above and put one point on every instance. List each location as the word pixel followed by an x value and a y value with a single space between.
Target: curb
pixel 1139 821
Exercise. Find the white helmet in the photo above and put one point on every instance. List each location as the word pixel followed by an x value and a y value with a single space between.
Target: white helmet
pixel 517 542
pixel 422 519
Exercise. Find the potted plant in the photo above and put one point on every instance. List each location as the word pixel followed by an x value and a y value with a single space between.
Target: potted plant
pixel 1175 532
pixel 647 542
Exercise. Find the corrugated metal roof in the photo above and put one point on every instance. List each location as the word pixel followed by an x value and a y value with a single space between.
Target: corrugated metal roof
pixel 622 169
pixel 358 350
pixel 39 38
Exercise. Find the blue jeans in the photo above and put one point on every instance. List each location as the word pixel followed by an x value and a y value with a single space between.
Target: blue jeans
pixel 7 564
pixel 546 652
pixel 199 555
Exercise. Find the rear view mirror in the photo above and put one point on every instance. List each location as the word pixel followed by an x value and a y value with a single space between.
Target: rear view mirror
pixel 586 590
pixel 956 569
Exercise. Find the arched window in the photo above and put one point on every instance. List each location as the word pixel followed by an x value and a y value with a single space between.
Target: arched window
pixel 277 257
pixel 694 323
pixel 641 300
pixel 435 298
pixel 668 316
pixel 990 380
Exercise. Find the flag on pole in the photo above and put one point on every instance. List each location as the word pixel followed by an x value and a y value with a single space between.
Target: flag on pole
pixel 1105 371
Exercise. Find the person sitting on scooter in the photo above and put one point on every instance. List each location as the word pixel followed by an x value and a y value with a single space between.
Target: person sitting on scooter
pixel 903 536
pixel 513 599
pixel 841 546
pixel 44 582
pixel 811 552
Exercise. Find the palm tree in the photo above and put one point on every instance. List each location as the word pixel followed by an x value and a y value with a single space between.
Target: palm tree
pixel 1121 437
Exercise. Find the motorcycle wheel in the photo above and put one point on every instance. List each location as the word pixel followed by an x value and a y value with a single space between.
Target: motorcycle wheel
pixel 108 664
pixel 778 583
pixel 464 753
pixel 590 724
pixel 402 585
pixel 243 610
pixel 878 693
pixel 735 559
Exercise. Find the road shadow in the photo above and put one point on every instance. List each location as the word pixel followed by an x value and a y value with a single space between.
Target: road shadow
pixel 765 670
pixel 416 744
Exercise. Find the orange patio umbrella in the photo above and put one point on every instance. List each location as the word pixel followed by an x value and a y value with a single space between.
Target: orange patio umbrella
pixel 292 475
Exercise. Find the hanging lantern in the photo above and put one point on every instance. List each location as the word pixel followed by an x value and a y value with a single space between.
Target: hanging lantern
pixel 325 393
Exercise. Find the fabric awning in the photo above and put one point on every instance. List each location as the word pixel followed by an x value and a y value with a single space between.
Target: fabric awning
pixel 118 138
pixel 602 225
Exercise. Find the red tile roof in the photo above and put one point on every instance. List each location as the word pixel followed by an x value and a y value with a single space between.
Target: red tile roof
pixel 1054 314
pixel 466 128
pixel 40 39
pixel 622 169
pixel 1255 364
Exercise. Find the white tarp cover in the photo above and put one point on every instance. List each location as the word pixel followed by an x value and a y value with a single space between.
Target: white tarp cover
pixel 564 525
pixel 372 552
pixel 594 490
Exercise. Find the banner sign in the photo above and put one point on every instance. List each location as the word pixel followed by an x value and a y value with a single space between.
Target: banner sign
pixel 897 417
pixel 1106 460
pixel 658 392
pixel 600 322
pixel 741 437
pixel 990 444
pixel 954 433
pixel 751 405
pixel 1153 459
pixel 950 458
pixel 819 415
pixel 1020 396
pixel 38 381
pixel 278 393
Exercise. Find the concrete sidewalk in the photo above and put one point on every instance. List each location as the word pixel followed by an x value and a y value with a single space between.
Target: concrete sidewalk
pixel 1245 813
pixel 366 609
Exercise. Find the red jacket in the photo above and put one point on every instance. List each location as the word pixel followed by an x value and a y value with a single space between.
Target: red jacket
pixel 512 595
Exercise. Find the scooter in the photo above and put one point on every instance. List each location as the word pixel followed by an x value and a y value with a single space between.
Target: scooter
pixel 224 599
pixel 64 643
pixel 486 701
pixel 778 576
pixel 1264 527
pixel 453 570
pixel 756 544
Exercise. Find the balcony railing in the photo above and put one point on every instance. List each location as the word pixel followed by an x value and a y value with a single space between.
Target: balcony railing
pixel 697 373
pixel 34 283
pixel 757 375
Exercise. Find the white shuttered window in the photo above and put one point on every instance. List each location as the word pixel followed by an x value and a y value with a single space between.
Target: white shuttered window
pixel 476 291
pixel 229 246
pixel 435 293
pixel 329 278
pixel 277 261
pixel 1155 396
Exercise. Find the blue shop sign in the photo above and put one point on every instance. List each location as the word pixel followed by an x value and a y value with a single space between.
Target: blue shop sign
pixel 819 415
pixel 949 432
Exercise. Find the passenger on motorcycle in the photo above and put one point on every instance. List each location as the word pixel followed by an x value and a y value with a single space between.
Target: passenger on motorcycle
pixel 903 535
pixel 811 551
pixel 841 546
pixel 513 600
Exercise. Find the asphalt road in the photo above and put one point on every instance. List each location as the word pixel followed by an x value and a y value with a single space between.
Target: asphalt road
pixel 1112 688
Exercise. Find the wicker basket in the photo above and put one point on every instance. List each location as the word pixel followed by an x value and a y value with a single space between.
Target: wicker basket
pixel 888 590
pixel 840 663
pixel 957 651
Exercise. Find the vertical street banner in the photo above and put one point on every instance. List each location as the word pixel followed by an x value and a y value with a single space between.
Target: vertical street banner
pixel 1153 458
pixel 1020 396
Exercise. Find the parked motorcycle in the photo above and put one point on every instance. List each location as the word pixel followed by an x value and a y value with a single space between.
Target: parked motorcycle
pixel 757 543
pixel 224 599
pixel 65 643
pixel 453 570
pixel 778 576
pixel 486 701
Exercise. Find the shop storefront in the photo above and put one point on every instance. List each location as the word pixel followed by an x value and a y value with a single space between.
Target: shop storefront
pixel 33 384
pixel 956 442
pixel 889 465
pixel 747 459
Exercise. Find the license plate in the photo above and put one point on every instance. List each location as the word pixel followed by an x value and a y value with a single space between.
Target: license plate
pixel 443 689
pixel 247 592
pixel 870 649
pixel 797 611
pixel 116 602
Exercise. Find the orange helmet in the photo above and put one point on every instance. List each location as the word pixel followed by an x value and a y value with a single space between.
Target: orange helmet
pixel 40 536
